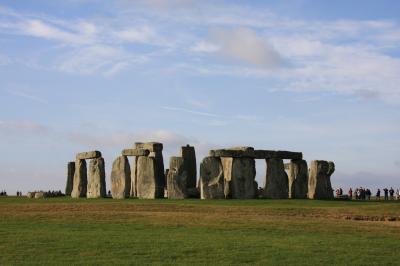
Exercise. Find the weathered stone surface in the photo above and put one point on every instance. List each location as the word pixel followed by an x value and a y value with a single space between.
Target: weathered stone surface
pixel 268 154
pixel 193 193
pixel 157 155
pixel 276 180
pixel 149 182
pixel 70 178
pixel 96 187
pixel 318 180
pixel 331 170
pixel 135 152
pixel 39 195
pixel 211 181
pixel 30 195
pixel 121 178
pixel 177 179
pixel 236 152
pixel 298 179
pixel 189 157
pixel 239 177
pixel 151 146
pixel 134 177
pixel 80 179
pixel 88 155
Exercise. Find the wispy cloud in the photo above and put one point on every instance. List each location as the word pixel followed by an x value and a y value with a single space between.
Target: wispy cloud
pixel 28 96
pixel 178 109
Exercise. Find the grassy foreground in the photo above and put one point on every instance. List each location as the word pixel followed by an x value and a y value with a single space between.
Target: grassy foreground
pixel 224 232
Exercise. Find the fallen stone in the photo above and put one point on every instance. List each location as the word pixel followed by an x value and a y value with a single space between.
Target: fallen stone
pixel 80 179
pixel 149 182
pixel 120 178
pixel 70 178
pixel 39 195
pixel 96 187
pixel 189 157
pixel 177 179
pixel 276 180
pixel 239 178
pixel 298 179
pixel 318 180
pixel 135 152
pixel 151 146
pixel 88 155
pixel 211 181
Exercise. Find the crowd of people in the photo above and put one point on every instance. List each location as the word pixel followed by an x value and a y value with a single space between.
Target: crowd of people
pixel 3 193
pixel 362 193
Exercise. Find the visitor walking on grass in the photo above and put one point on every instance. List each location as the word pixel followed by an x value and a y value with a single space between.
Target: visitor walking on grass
pixel 385 190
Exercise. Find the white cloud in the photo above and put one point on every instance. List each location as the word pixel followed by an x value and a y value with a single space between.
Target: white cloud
pixel 22 127
pixel 143 34
pixel 205 47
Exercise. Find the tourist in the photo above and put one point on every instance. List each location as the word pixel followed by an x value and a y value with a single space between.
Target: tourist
pixel 391 192
pixel 368 194
pixel 385 190
pixel 378 194
pixel 350 193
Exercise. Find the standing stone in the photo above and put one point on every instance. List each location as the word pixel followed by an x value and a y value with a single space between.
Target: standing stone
pixel 80 179
pixel 150 184
pixel 70 178
pixel 331 170
pixel 239 177
pixel 298 179
pixel 318 180
pixel 155 149
pixel 96 187
pixel 133 170
pixel 177 178
pixel 189 156
pixel 120 178
pixel 211 181
pixel 276 180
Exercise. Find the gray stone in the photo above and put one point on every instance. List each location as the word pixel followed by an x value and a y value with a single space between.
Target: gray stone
pixel 298 179
pixel 239 178
pixel 157 155
pixel 151 146
pixel 189 157
pixel 80 179
pixel 331 170
pixel 211 181
pixel 318 184
pixel 236 152
pixel 120 178
pixel 268 154
pixel 276 180
pixel 135 152
pixel 177 179
pixel 70 178
pixel 30 195
pixel 88 155
pixel 96 187
pixel 149 182
pixel 134 177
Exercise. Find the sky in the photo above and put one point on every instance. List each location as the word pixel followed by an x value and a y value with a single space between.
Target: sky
pixel 320 77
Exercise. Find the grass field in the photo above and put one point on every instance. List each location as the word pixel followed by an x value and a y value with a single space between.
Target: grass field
pixel 224 232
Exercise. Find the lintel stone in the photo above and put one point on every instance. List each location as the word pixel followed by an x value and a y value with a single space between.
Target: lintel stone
pixel 135 152
pixel 88 155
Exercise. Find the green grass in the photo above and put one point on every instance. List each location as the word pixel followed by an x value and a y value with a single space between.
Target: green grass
pixel 219 232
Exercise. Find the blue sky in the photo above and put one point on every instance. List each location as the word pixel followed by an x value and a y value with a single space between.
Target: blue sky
pixel 321 77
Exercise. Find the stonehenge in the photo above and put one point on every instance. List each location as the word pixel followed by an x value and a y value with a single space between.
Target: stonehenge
pixel 228 173
pixel 95 186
